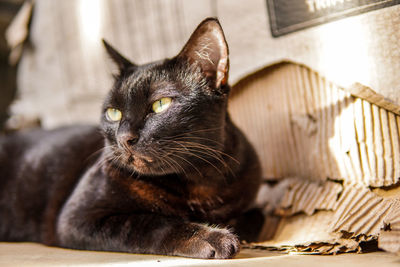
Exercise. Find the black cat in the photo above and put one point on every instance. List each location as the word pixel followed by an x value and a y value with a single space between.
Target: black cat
pixel 166 164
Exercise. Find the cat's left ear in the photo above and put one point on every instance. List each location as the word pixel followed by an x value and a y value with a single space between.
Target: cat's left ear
pixel 208 49
pixel 122 63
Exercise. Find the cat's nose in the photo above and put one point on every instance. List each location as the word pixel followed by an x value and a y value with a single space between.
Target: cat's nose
pixel 128 139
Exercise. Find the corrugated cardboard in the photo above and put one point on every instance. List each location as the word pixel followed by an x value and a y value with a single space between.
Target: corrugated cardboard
pixel 337 145
pixel 315 129
pixel 390 233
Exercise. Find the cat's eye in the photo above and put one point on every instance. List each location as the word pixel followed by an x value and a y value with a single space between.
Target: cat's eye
pixel 162 104
pixel 113 114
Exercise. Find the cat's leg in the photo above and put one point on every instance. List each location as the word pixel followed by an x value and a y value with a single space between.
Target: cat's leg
pixel 145 233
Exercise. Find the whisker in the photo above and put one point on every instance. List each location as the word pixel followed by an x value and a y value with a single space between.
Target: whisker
pixel 200 138
pixel 155 154
pixel 98 151
pixel 171 162
pixel 195 131
pixel 195 147
pixel 182 158
pixel 187 152
pixel 177 165
pixel 199 145
pixel 216 157
pixel 210 154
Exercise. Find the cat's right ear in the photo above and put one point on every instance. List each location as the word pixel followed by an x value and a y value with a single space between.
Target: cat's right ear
pixel 207 48
pixel 122 63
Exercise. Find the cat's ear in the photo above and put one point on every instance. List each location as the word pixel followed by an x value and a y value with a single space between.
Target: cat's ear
pixel 122 63
pixel 208 49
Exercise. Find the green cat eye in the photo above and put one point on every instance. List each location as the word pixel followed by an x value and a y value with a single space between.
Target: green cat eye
pixel 162 104
pixel 113 114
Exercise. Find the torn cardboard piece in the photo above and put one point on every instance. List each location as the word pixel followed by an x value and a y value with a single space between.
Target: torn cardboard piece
pixel 338 146
pixel 307 197
pixel 389 237
pixel 305 126
pixel 373 97
pixel 308 234
pixel 360 213
pixel 337 222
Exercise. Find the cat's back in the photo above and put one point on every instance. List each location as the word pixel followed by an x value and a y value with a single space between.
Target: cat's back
pixel 38 170
pixel 38 147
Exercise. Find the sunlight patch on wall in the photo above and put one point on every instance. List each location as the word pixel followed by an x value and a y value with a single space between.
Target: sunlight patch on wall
pixel 345 51
pixel 90 18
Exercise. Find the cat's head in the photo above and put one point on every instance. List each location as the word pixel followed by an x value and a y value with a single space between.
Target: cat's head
pixel 169 116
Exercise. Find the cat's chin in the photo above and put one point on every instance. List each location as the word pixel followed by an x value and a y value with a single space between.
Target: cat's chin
pixel 144 165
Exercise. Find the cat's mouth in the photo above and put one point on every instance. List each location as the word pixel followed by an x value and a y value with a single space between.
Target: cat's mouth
pixel 138 162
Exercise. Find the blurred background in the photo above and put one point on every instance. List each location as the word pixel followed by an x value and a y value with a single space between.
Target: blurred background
pixel 64 72
pixel 8 9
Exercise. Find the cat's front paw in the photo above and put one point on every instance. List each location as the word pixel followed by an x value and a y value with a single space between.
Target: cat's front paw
pixel 210 243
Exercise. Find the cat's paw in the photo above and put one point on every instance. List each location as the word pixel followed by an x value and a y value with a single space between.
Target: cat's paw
pixel 210 243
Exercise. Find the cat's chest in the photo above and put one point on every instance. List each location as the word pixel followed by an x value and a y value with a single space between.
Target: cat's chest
pixel 185 201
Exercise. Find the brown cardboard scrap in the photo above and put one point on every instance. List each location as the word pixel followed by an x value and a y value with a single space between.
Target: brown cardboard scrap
pixel 305 126
pixel 389 241
pixel 389 237
pixel 314 236
pixel 329 218
pixel 314 229
pixel 315 248
pixel 371 96
pixel 307 196
pixel 361 213
pixel 341 246
pixel 388 193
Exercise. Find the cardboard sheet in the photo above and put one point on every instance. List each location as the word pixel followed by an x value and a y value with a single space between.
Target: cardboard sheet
pixel 338 147
pixel 390 232
pixel 305 126
pixel 332 221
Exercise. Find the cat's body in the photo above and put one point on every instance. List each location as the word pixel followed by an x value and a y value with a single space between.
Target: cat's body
pixel 171 162
pixel 38 171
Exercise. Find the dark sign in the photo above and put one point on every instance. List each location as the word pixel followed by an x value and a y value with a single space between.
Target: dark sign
pixel 287 16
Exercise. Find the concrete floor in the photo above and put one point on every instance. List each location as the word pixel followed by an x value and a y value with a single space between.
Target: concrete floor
pixel 28 254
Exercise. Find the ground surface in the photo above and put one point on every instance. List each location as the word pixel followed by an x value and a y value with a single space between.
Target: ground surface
pixel 28 254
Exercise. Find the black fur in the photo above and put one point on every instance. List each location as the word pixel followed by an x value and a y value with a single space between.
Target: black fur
pixel 149 183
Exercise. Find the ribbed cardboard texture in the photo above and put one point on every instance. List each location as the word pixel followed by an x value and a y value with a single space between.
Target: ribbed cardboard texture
pixel 337 145
pixel 305 126
pixel 390 234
